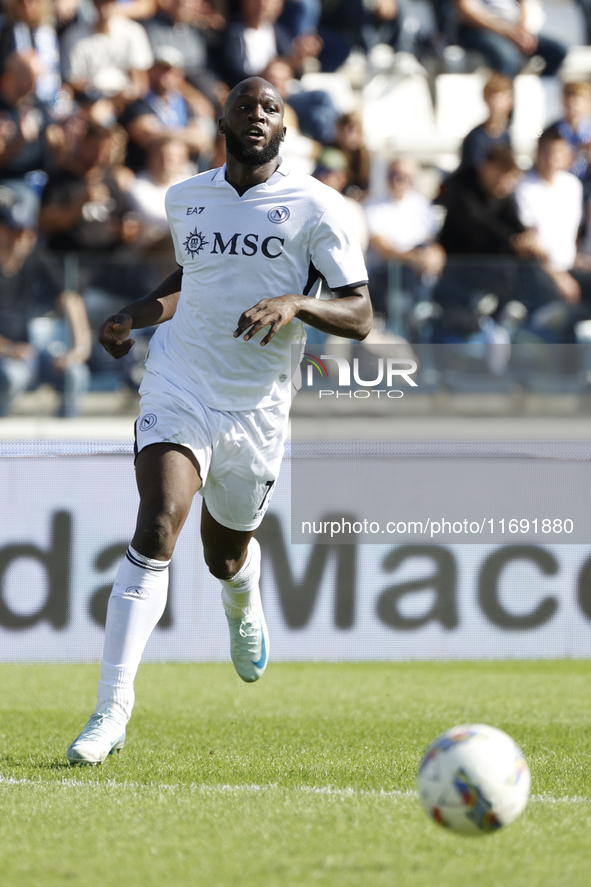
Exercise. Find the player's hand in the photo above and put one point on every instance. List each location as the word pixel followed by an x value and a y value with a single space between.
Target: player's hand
pixel 273 313
pixel 113 335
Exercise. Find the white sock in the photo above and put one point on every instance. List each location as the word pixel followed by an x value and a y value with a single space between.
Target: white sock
pixel 136 604
pixel 241 592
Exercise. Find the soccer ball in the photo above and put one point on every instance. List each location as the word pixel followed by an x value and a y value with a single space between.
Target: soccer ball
pixel 473 779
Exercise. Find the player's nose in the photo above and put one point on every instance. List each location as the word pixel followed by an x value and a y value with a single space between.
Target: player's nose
pixel 256 113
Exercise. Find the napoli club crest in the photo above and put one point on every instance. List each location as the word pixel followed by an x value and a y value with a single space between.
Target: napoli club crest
pixel 278 214
pixel 148 421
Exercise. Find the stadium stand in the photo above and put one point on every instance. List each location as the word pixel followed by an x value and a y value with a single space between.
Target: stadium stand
pixel 135 82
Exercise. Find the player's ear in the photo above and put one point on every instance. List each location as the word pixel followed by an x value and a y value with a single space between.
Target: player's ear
pixel 283 134
pixel 221 126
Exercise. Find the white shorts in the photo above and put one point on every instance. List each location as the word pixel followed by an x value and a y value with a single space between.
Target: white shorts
pixel 239 453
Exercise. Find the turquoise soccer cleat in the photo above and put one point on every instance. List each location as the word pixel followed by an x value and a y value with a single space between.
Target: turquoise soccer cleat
pixel 103 734
pixel 249 644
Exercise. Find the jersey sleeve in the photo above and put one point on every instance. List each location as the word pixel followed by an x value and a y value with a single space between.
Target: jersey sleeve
pixel 335 249
pixel 173 232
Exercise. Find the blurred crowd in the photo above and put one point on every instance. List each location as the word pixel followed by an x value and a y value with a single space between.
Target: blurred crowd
pixel 106 103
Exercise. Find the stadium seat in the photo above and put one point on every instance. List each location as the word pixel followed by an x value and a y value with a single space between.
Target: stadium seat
pixel 337 87
pixel 564 21
pixel 577 64
pixel 537 104
pixel 459 104
pixel 398 114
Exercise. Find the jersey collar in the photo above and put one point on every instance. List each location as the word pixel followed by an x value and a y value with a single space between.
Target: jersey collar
pixel 219 174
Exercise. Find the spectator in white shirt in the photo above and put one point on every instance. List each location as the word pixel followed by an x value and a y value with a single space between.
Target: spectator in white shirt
pixel 167 164
pixel 112 56
pixel 402 228
pixel 550 205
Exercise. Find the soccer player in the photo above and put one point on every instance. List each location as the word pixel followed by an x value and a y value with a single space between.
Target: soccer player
pixel 253 241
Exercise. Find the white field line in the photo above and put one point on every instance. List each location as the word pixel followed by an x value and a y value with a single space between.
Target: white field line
pixel 397 794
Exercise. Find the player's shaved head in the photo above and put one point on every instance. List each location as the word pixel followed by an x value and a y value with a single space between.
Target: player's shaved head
pixel 252 124
pixel 246 86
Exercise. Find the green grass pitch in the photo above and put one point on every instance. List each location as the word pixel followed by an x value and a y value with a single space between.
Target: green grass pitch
pixel 304 779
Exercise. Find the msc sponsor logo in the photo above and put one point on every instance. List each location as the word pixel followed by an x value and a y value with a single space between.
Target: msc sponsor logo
pixel 195 242
pixel 235 245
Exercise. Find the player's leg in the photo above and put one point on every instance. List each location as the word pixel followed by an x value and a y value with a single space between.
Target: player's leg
pixel 245 462
pixel 168 477
pixel 234 557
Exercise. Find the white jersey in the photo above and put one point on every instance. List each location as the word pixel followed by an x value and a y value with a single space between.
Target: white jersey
pixel 278 238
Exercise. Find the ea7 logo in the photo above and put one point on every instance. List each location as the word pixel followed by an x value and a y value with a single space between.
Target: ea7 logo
pixel 195 210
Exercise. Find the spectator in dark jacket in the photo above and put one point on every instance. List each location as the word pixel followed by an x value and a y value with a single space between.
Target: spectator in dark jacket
pixel 176 24
pixel 26 135
pixel 45 335
pixel 29 26
pixel 253 40
pixel 165 111
pixel 483 238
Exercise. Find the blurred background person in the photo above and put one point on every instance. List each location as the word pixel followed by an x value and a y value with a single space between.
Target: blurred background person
pixel 575 128
pixel 496 273
pixel 44 330
pixel 180 23
pixel 332 168
pixel 498 97
pixel 369 23
pixel 254 38
pixel 27 136
pixel 111 55
pixel 550 203
pixel 85 211
pixel 165 111
pixel 312 110
pixel 301 150
pixel 82 205
pixel 29 26
pixel 65 13
pixel 137 9
pixel 403 228
pixel 167 163
pixel 301 16
pixel 501 32
pixel 349 139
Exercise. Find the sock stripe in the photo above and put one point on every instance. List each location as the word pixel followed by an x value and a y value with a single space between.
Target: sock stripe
pixel 151 566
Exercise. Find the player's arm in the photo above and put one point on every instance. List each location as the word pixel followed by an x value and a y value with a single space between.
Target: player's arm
pixel 155 308
pixel 349 315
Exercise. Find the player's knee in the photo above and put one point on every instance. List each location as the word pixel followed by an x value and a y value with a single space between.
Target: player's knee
pixel 221 567
pixel 159 529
